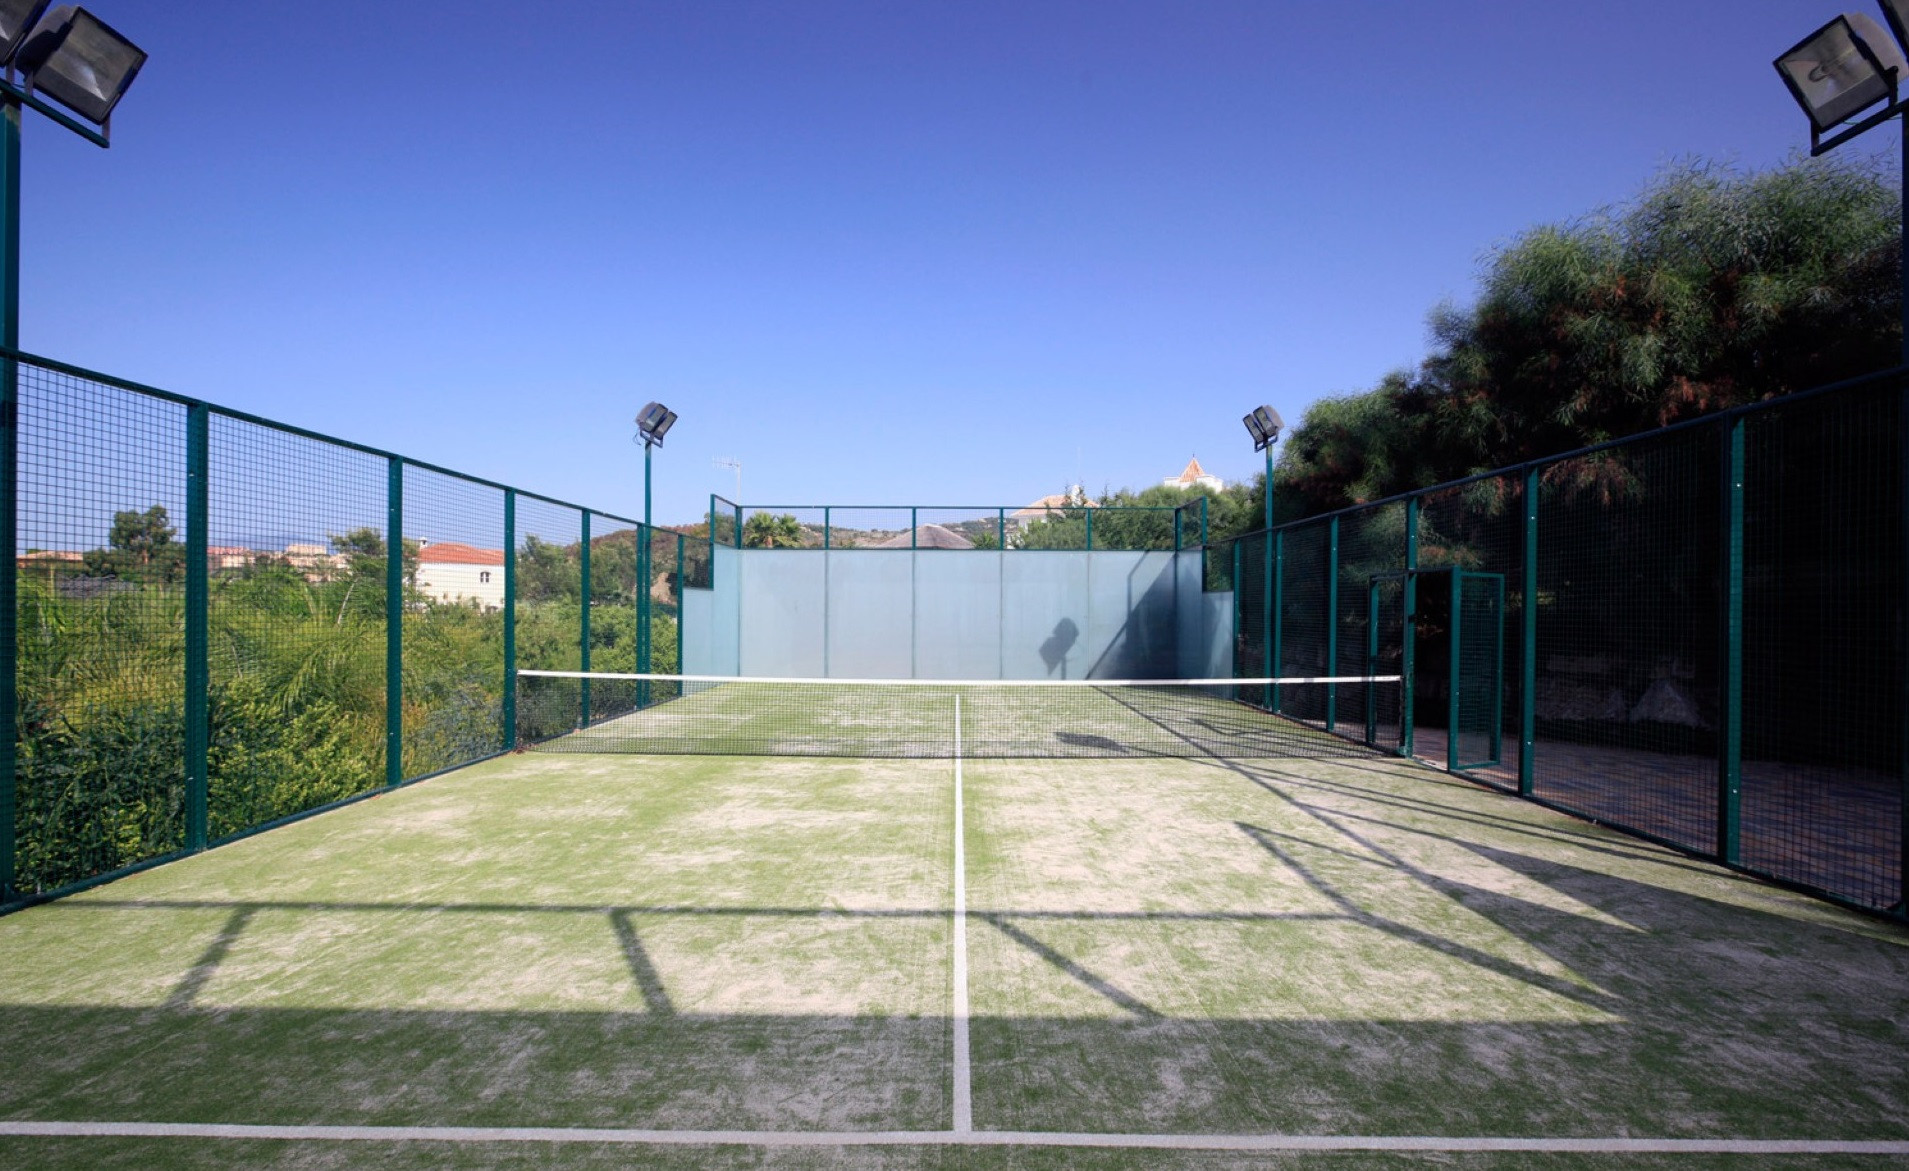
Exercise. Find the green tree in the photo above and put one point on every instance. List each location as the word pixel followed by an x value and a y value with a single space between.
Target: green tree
pixel 771 531
pixel 1711 289
pixel 141 548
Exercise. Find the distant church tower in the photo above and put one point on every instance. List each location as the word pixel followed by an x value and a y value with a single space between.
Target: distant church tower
pixel 1195 476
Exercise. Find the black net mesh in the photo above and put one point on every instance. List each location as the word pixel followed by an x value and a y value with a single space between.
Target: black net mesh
pixel 100 618
pixel 453 621
pixel 1305 573
pixel 1371 542
pixel 296 560
pixel 1627 636
pixel 1253 634
pixel 1823 681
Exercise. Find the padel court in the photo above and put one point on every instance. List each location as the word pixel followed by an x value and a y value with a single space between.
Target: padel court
pixel 1301 950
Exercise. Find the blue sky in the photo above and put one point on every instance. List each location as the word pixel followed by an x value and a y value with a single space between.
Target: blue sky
pixel 881 252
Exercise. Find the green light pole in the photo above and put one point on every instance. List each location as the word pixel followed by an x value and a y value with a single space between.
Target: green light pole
pixel 1848 66
pixel 78 61
pixel 1264 425
pixel 652 423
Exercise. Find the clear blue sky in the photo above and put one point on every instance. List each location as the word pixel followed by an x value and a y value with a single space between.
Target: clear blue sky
pixel 879 251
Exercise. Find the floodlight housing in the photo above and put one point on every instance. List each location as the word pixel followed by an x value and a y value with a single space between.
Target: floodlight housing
pixel 654 421
pixel 79 61
pixel 17 18
pixel 1264 425
pixel 1844 68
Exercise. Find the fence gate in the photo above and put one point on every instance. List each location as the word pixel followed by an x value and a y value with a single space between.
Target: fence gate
pixel 1443 632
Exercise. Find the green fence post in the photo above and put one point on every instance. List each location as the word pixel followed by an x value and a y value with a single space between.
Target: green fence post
pixel 1278 592
pixel 1528 655
pixel 1001 528
pixel 914 524
pixel 510 619
pixel 9 488
pixel 1408 692
pixel 1236 615
pixel 1730 674
pixel 1453 681
pixel 583 625
pixel 198 723
pixel 1090 539
pixel 1332 624
pixel 1371 665
pixel 1266 619
pixel 1203 522
pixel 394 622
pixel 680 549
pixel 1176 530
pixel 827 537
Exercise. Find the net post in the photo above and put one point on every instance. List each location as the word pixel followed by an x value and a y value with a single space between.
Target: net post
pixel 1278 592
pixel 394 622
pixel 583 620
pixel 510 620
pixel 1730 674
pixel 1528 656
pixel 1409 656
pixel 198 675
pixel 1332 623
pixel 1453 669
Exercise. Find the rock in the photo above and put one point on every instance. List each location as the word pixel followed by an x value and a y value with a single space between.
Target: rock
pixel 1666 702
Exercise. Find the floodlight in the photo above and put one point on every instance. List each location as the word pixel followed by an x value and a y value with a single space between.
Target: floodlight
pixel 76 59
pixel 654 421
pixel 16 20
pixel 1264 425
pixel 1843 68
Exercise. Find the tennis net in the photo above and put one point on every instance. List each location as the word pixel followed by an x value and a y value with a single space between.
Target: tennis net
pixel 574 711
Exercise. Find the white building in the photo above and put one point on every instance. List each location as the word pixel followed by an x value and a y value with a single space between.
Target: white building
pixel 451 572
pixel 1195 476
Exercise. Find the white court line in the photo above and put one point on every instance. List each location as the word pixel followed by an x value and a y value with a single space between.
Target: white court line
pixel 971 683
pixel 963 1087
pixel 948 1138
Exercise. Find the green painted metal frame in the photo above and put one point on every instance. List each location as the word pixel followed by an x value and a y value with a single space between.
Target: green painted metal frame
pixel 198 732
pixel 509 719
pixel 1234 648
pixel 1407 713
pixel 681 543
pixel 1277 589
pixel 9 491
pixel 1453 762
pixel 583 621
pixel 1528 628
pixel 1730 669
pixel 394 624
pixel 1332 625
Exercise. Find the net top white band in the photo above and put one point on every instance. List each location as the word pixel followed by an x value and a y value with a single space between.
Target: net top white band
pixel 1259 682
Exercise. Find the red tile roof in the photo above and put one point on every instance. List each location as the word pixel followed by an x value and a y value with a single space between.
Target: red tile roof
pixel 453 553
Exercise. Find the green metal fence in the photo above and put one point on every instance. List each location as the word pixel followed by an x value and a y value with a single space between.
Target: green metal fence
pixel 1074 527
pixel 223 622
pixel 1697 635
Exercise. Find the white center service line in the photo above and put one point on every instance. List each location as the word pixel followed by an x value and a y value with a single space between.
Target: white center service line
pixel 963 1090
